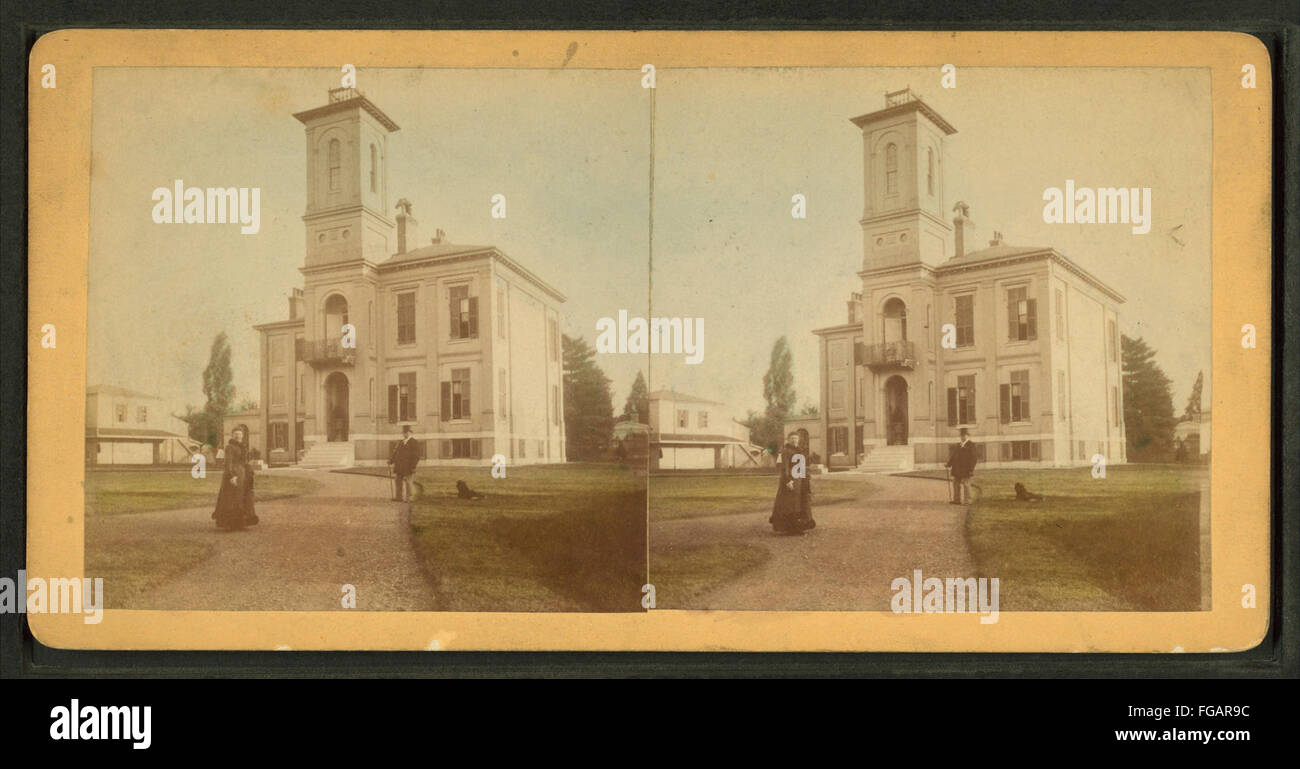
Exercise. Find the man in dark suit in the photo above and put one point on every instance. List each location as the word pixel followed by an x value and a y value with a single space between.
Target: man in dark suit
pixel 406 455
pixel 961 463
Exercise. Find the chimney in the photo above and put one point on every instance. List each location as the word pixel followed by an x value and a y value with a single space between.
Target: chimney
pixel 439 236
pixel 295 304
pixel 406 225
pixel 963 229
pixel 997 239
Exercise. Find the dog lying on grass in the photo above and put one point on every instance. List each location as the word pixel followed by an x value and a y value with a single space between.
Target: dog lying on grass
pixel 1025 495
pixel 465 492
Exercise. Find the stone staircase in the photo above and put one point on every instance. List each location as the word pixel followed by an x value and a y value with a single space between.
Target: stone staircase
pixel 888 459
pixel 329 455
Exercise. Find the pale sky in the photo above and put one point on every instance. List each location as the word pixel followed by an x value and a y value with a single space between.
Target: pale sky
pixel 733 146
pixel 569 149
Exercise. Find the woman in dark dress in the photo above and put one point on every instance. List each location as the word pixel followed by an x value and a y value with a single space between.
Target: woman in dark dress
pixel 250 514
pixel 232 511
pixel 792 510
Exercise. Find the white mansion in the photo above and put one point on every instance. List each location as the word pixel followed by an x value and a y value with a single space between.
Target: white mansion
pixel 1033 366
pixel 460 342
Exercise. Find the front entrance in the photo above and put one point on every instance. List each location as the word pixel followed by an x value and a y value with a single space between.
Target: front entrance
pixel 896 411
pixel 336 407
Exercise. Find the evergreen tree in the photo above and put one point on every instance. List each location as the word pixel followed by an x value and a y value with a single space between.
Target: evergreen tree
pixel 205 425
pixel 1193 410
pixel 640 399
pixel 1148 404
pixel 588 403
pixel 767 429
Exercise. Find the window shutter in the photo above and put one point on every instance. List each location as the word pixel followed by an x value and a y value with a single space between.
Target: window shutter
pixel 1035 451
pixel 970 411
pixel 952 406
pixel 473 317
pixel 444 413
pixel 446 449
pixel 1033 318
pixel 412 403
pixel 1005 396
pixel 1005 452
pixel 476 448
pixel 1025 413
pixel 392 403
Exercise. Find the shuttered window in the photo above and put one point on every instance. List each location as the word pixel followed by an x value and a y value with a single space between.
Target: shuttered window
pixel 1014 398
pixel 965 317
pixel 961 401
pixel 1022 315
pixel 406 317
pixel 402 399
pixel 464 313
pixel 455 396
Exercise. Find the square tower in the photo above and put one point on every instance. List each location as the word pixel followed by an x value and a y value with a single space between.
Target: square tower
pixel 903 220
pixel 347 180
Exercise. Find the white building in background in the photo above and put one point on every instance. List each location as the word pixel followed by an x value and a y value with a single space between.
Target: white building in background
pixel 126 427
pixel 690 433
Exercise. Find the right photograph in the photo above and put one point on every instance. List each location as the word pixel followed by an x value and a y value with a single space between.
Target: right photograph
pixel 959 340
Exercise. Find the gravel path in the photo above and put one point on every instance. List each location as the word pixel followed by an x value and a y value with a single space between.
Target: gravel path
pixel 848 562
pixel 297 558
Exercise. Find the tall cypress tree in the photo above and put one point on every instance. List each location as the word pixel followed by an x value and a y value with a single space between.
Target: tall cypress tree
pixel 639 398
pixel 205 424
pixel 1193 410
pixel 588 404
pixel 778 390
pixel 1148 404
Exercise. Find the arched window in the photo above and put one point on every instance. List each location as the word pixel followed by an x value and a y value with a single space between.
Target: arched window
pixel 374 169
pixel 335 167
pixel 929 169
pixel 336 316
pixel 891 169
pixel 894 327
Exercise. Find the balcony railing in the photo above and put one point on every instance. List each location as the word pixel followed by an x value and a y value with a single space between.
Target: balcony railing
pixel 326 352
pixel 889 355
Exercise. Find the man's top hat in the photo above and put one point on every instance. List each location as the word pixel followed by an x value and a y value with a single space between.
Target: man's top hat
pixel 406 429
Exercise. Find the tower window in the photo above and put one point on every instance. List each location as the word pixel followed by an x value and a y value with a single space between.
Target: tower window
pixel 374 169
pixel 335 164
pixel 891 169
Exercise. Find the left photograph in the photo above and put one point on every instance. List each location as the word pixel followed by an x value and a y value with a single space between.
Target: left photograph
pixel 335 345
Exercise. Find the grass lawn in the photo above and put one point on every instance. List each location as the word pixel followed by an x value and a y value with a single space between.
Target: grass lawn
pixel 131 569
pixel 568 537
pixel 696 496
pixel 680 574
pixel 113 492
pixel 1126 542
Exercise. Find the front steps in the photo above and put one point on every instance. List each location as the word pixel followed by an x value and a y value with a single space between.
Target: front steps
pixel 888 459
pixel 326 454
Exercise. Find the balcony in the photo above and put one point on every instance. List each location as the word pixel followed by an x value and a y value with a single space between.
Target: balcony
pixel 888 355
pixel 325 352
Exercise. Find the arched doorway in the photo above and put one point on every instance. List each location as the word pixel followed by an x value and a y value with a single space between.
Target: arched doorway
pixel 336 407
pixel 896 411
